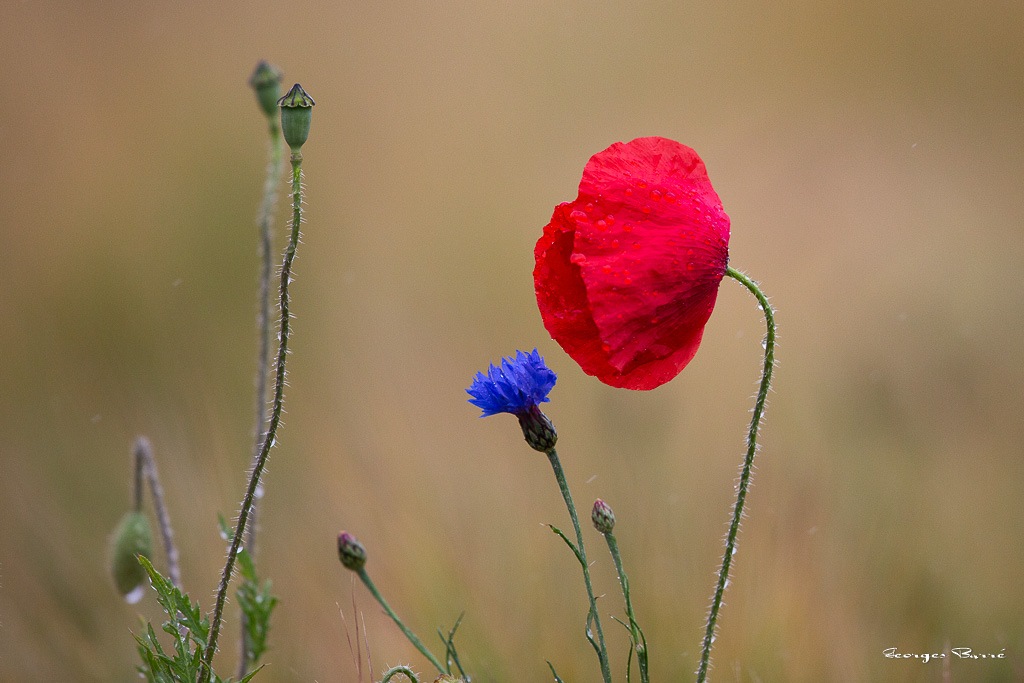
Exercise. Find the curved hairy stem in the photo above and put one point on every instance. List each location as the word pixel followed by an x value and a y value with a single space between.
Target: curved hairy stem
pixel 748 461
pixel 265 221
pixel 145 468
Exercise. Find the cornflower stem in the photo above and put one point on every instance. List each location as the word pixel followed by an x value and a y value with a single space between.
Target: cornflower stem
pixel 639 642
pixel 275 421
pixel 265 222
pixel 417 643
pixel 145 470
pixel 748 461
pixel 602 651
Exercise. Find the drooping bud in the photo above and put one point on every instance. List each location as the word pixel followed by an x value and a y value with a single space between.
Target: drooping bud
pixel 296 115
pixel 351 552
pixel 131 539
pixel 538 430
pixel 266 81
pixel 603 517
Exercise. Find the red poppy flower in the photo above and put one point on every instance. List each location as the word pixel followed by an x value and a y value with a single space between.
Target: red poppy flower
pixel 627 274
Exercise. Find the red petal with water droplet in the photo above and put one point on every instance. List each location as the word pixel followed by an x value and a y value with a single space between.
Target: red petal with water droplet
pixel 627 275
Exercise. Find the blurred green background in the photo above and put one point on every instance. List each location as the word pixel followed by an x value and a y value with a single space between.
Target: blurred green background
pixel 870 156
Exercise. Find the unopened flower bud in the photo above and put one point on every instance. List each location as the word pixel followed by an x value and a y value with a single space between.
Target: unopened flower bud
pixel 351 552
pixel 131 539
pixel 296 114
pixel 266 81
pixel 538 430
pixel 603 517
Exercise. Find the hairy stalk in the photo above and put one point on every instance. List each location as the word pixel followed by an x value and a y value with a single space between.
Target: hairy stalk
pixel 639 642
pixel 417 643
pixel 275 420
pixel 265 221
pixel 404 670
pixel 602 653
pixel 741 490
pixel 145 467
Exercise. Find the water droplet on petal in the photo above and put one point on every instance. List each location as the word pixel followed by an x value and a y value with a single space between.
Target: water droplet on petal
pixel 628 227
pixel 629 191
pixel 589 207
pixel 654 321
pixel 578 259
pixel 646 209
pixel 601 225
pixel 670 198
pixel 615 244
pixel 628 281
pixel 656 195
pixel 605 348
pixel 689 266
pixel 606 268
pixel 641 184
pixel 689 252
pixel 578 215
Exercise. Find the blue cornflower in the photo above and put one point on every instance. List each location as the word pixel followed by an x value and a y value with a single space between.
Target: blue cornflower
pixel 517 386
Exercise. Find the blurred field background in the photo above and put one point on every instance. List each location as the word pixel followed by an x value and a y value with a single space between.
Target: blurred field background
pixel 870 156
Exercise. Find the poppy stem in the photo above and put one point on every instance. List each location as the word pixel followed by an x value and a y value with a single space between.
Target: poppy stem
pixel 602 652
pixel 748 461
pixel 265 221
pixel 145 469
pixel 275 419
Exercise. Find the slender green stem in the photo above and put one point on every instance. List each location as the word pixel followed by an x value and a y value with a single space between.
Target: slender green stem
pixel 602 653
pixel 145 467
pixel 748 461
pixel 265 221
pixel 275 420
pixel 639 642
pixel 391 613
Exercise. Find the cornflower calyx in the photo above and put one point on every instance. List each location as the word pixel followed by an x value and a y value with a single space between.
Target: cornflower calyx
pixel 602 517
pixel 351 552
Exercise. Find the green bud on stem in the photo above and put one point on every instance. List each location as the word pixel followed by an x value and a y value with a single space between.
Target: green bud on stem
pixel 131 539
pixel 603 517
pixel 351 552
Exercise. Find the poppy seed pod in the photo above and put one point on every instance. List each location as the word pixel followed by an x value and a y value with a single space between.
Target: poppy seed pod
pixel 266 81
pixel 296 115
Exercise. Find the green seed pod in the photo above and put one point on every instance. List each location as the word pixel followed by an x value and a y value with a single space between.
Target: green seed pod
pixel 603 517
pixel 266 81
pixel 131 539
pixel 296 114
pixel 351 552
